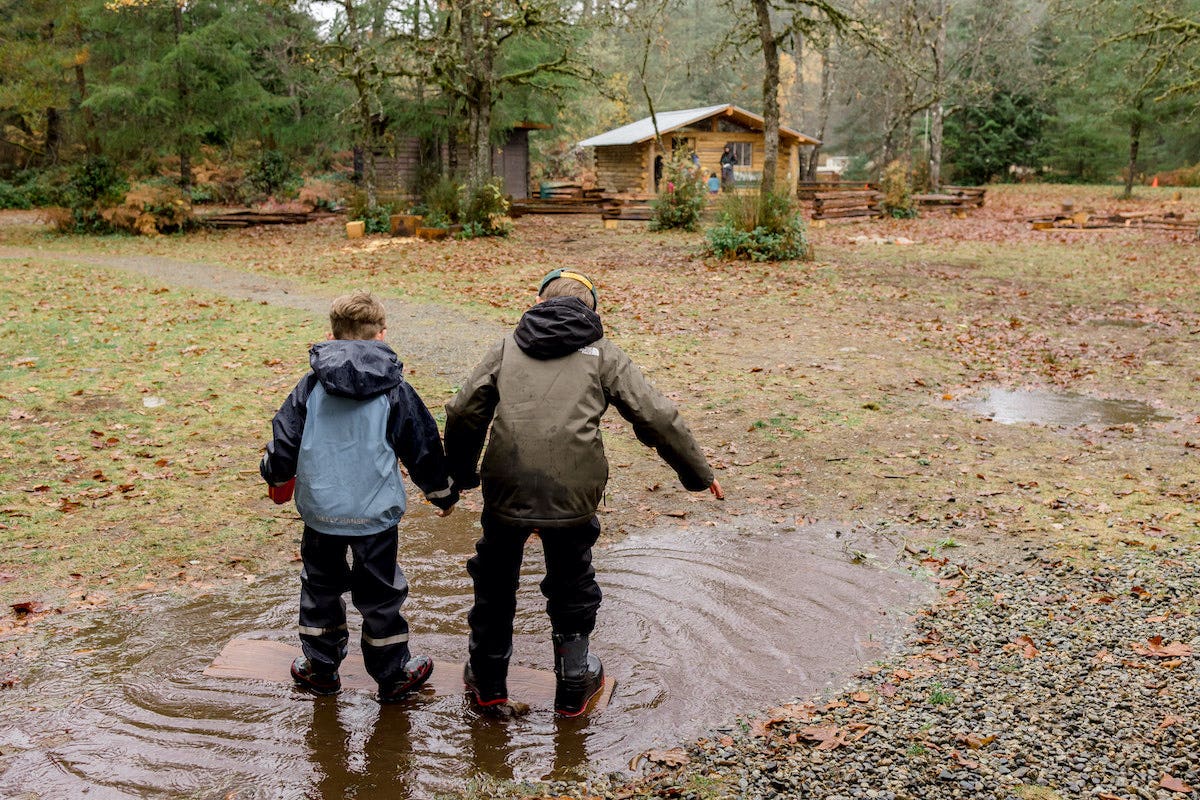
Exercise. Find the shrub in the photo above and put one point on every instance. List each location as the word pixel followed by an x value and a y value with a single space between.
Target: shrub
pixel 272 175
pixel 92 187
pixel 13 196
pixel 485 211
pixel 896 185
pixel 444 201
pixel 149 209
pixel 759 227
pixel 682 199
pixel 96 182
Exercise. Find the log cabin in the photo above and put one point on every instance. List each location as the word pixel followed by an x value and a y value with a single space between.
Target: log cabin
pixel 625 157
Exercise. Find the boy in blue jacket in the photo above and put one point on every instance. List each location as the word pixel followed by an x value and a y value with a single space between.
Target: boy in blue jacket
pixel 338 436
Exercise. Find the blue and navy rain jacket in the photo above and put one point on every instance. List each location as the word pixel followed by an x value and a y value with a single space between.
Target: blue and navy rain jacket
pixel 340 433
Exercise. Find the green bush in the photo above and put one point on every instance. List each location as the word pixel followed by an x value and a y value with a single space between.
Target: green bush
pixel 93 186
pixel 759 227
pixel 272 175
pixel 681 201
pixel 896 185
pixel 13 196
pixel 96 182
pixel 485 211
pixel 444 201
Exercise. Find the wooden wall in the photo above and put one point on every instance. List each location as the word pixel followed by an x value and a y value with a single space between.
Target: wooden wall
pixel 709 147
pixel 624 169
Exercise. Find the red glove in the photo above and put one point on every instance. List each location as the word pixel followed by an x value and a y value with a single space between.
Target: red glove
pixel 282 493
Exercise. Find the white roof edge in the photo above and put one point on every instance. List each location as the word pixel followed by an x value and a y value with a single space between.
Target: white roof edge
pixel 643 129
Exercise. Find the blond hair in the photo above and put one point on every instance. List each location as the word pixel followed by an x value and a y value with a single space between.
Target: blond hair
pixel 569 287
pixel 356 316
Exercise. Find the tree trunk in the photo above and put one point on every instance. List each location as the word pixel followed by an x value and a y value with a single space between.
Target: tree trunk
pixel 1135 141
pixel 823 115
pixel 366 120
pixel 938 115
pixel 53 137
pixel 770 48
pixel 799 115
pixel 185 156
pixel 478 57
pixel 91 141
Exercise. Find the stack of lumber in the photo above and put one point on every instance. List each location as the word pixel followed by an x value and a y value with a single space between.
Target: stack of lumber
pixel 1163 220
pixel 847 203
pixel 246 219
pixel 560 190
pixel 628 210
pixel 807 190
pixel 562 205
pixel 953 197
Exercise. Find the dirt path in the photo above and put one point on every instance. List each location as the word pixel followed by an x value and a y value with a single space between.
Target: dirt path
pixel 450 353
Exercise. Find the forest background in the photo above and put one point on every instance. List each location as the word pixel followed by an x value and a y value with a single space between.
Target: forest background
pixel 234 101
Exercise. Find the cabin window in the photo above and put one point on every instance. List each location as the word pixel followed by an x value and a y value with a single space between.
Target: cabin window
pixel 744 152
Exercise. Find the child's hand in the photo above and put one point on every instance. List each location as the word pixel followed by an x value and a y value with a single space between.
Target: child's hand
pixel 444 512
pixel 715 488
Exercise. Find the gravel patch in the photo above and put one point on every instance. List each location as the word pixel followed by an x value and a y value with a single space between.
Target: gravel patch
pixel 1051 680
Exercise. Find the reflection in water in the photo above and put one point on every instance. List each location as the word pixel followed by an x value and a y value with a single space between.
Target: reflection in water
pixel 1063 410
pixel 697 626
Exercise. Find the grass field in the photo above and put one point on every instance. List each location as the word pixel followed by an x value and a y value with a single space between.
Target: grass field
pixel 135 410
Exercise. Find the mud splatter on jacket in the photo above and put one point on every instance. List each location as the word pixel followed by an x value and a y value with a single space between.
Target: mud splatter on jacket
pixel 340 432
pixel 543 390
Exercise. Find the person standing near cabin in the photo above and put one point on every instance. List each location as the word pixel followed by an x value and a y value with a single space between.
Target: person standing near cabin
pixel 728 161
pixel 336 440
pixel 542 390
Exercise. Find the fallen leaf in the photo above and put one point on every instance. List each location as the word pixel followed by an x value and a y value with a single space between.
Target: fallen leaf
pixel 1156 649
pixel 1174 784
pixel 861 697
pixel 827 737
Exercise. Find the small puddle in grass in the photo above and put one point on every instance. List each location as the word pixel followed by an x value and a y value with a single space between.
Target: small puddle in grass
pixel 1062 410
pixel 697 626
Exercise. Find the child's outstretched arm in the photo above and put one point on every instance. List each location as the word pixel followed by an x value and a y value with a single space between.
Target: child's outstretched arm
pixel 468 415
pixel 656 422
pixel 278 465
pixel 413 434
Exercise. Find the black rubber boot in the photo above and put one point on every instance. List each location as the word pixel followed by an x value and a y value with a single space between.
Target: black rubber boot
pixel 416 672
pixel 486 691
pixel 579 675
pixel 316 682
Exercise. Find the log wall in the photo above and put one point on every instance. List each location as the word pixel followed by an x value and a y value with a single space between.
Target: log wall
pixel 625 169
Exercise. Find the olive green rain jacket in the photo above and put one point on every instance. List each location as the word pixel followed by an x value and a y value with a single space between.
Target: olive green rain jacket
pixel 543 390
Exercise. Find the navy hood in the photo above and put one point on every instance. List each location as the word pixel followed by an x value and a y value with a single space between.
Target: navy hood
pixel 557 327
pixel 356 368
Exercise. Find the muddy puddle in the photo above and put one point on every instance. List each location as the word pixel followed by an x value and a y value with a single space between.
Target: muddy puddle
pixel 1062 410
pixel 698 625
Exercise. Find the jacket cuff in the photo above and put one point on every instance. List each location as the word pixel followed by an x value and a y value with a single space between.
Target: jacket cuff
pixel 444 501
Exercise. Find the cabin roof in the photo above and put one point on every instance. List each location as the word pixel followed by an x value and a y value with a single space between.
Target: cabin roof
pixel 643 129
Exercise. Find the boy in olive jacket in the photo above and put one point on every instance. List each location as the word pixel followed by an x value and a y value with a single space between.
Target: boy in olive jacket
pixel 543 390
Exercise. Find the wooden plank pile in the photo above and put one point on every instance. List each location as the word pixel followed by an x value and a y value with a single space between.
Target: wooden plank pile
pixel 628 210
pixel 807 190
pixel 847 203
pixel 956 198
pixel 565 205
pixel 1068 218
pixel 247 219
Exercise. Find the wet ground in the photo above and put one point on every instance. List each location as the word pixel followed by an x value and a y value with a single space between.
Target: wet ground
pixel 697 625
pixel 1062 409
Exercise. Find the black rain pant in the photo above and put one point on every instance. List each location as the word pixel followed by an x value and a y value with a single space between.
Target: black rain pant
pixel 377 588
pixel 570 588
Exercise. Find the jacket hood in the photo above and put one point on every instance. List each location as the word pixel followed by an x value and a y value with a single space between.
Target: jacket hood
pixel 357 368
pixel 557 327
